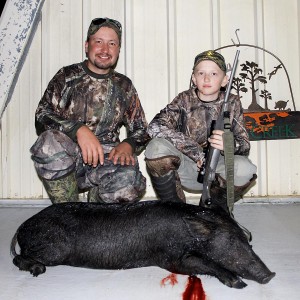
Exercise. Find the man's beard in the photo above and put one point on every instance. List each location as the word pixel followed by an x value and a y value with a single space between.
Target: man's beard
pixel 103 66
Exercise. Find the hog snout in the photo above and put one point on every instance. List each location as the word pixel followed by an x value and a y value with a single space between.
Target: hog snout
pixel 259 272
pixel 268 278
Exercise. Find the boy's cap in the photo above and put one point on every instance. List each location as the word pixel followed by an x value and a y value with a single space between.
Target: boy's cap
pixel 97 23
pixel 213 56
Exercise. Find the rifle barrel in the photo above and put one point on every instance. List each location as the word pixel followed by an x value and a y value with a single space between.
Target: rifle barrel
pixel 234 66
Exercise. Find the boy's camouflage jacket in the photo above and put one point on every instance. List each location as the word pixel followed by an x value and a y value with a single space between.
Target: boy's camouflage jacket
pixel 76 96
pixel 186 123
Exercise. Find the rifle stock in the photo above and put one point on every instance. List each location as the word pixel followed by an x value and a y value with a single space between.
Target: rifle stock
pixel 208 171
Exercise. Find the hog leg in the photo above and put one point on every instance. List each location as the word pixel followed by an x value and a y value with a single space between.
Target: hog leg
pixel 29 264
pixel 193 265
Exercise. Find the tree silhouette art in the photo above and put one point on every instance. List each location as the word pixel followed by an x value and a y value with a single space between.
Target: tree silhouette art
pixel 251 72
pixel 266 95
pixel 239 86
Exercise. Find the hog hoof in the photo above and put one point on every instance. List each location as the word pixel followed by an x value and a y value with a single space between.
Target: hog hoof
pixel 37 269
pixel 238 284
pixel 30 265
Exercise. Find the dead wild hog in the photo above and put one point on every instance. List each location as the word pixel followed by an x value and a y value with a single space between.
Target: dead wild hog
pixel 181 238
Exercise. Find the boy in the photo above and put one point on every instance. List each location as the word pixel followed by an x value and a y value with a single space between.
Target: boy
pixel 182 130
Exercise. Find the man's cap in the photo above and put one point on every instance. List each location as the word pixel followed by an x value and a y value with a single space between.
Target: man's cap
pixel 97 23
pixel 213 56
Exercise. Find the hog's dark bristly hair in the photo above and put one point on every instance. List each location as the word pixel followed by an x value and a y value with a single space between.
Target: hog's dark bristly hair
pixel 181 238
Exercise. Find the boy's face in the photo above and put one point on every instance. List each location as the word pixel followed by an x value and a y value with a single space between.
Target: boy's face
pixel 209 78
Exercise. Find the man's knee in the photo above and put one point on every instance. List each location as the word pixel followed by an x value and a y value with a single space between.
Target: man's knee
pixel 51 142
pixel 126 184
pixel 54 154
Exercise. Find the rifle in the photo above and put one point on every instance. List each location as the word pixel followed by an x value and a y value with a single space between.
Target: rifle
pixel 208 169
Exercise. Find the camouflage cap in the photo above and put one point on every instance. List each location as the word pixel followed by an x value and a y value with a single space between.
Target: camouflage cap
pixel 213 56
pixel 97 23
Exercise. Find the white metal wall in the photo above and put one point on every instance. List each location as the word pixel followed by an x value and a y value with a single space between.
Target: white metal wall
pixel 160 41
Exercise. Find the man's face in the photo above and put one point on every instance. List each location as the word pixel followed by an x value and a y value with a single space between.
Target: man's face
pixel 102 50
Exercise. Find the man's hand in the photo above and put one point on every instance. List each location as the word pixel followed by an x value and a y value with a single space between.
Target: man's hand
pixel 216 139
pixel 122 152
pixel 92 151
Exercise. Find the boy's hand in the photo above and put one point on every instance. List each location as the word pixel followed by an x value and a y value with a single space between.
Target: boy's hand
pixel 216 139
pixel 199 164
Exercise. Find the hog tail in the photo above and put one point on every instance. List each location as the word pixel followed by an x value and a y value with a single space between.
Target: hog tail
pixel 13 244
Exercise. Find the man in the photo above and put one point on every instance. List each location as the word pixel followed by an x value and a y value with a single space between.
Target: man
pixel 79 119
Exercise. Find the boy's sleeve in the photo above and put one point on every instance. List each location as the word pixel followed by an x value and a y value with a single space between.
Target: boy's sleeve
pixel 166 124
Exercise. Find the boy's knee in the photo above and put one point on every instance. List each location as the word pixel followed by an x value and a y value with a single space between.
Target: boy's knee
pixel 244 170
pixel 161 166
pixel 158 147
pixel 244 166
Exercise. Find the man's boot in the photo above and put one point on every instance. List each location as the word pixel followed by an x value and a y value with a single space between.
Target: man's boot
pixel 165 179
pixel 64 189
pixel 93 195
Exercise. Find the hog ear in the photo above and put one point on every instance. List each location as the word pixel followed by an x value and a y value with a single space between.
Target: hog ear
pixel 197 226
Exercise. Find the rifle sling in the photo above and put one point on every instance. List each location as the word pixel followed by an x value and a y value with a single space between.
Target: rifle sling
pixel 228 142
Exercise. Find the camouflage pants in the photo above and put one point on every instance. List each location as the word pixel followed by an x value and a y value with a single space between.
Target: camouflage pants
pixel 55 155
pixel 244 169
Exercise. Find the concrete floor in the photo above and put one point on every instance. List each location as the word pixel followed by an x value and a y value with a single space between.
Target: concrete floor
pixel 276 239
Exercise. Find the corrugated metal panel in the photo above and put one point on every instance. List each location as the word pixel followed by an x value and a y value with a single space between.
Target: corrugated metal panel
pixel 17 27
pixel 160 41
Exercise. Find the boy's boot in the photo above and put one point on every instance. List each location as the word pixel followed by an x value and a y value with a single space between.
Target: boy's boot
pixel 64 189
pixel 218 193
pixel 165 179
